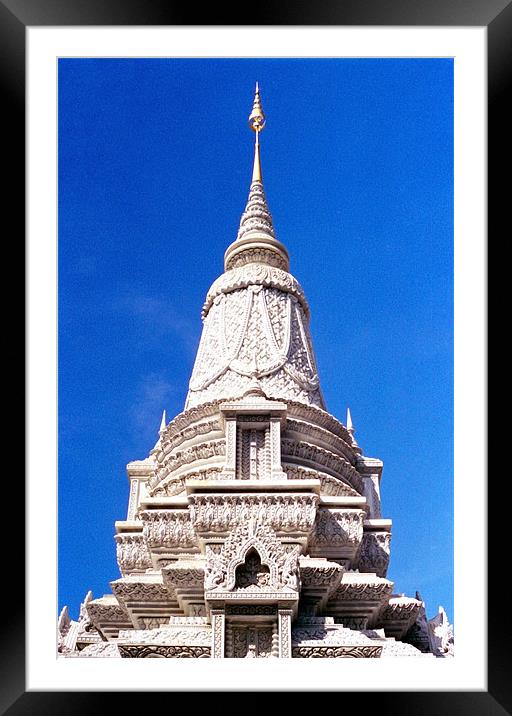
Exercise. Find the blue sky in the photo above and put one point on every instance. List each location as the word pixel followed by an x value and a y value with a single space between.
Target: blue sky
pixel 155 159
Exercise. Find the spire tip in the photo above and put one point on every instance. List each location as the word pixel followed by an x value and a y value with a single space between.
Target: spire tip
pixel 257 116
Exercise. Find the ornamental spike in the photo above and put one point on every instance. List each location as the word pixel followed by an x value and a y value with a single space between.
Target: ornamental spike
pixel 350 425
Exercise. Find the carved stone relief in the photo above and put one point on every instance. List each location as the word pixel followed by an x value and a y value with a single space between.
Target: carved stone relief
pixel 168 528
pixel 252 641
pixel 132 553
pixel 338 527
pixel 374 554
pixel 283 574
pixel 281 512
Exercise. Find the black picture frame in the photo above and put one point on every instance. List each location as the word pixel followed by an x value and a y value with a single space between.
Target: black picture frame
pixel 15 16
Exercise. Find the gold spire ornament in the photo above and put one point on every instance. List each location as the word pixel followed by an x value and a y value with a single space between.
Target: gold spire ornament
pixel 256 123
pixel 257 116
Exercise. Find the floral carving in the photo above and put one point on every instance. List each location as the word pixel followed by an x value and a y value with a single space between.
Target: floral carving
pixel 283 513
pixel 337 652
pixel 255 274
pixel 132 591
pixel 168 528
pixel 170 635
pixel 325 458
pixel 374 555
pixel 175 486
pixel 338 527
pixel 181 574
pixel 220 574
pixel 328 485
pixel 132 553
pixel 139 651
pixel 102 613
pixel 255 331
pixel 252 642
pixel 363 591
pixel 258 255
pixel 103 650
pixel 320 576
pixel 171 439
pixel 338 444
pixel 203 451
pixel 218 627
pixel 285 637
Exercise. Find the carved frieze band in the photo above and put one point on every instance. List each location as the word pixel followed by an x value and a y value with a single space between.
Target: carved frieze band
pixel 168 528
pixel 323 458
pixel 372 592
pixel 257 255
pixel 255 274
pixel 132 591
pixel 317 576
pixel 203 451
pixel 310 413
pixel 336 443
pixel 184 576
pixel 282 512
pixel 174 486
pixel 400 612
pixel 337 652
pixel 332 486
pixel 170 440
pixel 145 651
pixel 171 635
pixel 101 614
pixel 132 553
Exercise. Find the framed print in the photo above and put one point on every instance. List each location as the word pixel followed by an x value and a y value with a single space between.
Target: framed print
pixel 82 56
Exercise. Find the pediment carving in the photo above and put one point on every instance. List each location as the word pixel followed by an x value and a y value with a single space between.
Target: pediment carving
pixel 245 541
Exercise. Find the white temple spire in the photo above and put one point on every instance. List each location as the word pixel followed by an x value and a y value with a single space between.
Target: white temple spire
pixel 163 423
pixel 350 426
pixel 351 429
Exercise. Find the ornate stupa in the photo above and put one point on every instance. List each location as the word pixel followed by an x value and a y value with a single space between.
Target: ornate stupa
pixel 254 526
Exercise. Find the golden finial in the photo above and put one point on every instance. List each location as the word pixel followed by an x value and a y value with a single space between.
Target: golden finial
pixel 257 116
pixel 256 123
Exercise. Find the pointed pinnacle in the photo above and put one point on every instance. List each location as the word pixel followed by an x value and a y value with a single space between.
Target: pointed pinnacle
pixel 257 116
pixel 163 422
pixel 350 426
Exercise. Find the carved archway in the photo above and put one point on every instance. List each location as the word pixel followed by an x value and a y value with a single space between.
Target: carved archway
pixel 268 557
pixel 221 568
pixel 252 573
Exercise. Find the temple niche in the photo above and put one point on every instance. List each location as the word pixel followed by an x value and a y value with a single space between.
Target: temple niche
pixel 254 526
pixel 252 573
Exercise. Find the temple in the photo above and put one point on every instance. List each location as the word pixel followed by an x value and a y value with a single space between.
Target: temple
pixel 254 527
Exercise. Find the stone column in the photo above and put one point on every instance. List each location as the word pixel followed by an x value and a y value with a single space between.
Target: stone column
pixel 132 504
pixel 228 641
pixel 137 491
pixel 370 470
pixel 285 633
pixel 218 633
pixel 139 472
pixel 276 469
pixel 230 464
pixel 275 641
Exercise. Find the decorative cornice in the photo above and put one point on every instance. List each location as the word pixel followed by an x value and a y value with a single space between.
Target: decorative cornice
pixel 254 274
